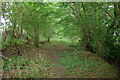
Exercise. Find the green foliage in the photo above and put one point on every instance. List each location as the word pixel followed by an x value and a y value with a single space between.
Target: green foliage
pixel 113 45
pixel 15 62
pixel 11 42
pixel 89 22
pixel 32 67
pixel 71 61
pixel 78 64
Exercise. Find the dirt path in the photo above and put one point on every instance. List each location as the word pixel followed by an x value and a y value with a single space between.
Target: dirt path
pixel 53 53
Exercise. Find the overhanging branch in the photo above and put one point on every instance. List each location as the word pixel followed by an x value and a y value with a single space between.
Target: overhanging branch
pixel 104 10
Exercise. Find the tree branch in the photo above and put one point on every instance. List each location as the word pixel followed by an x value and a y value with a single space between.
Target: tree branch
pixel 5 57
pixel 74 13
pixel 104 10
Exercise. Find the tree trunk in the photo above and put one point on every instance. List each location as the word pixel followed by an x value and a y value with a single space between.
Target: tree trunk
pixel 36 36
pixel 13 31
pixel 119 67
pixel 48 40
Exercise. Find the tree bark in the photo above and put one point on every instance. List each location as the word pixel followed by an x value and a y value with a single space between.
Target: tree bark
pixel 48 40
pixel 36 36
pixel 13 31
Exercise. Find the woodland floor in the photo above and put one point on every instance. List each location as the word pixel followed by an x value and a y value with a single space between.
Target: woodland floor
pixel 52 53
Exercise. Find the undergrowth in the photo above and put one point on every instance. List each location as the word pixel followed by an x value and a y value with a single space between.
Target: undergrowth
pixel 78 64
pixel 21 67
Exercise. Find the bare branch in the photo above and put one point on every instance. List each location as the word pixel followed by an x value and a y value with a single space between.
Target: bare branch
pixel 5 57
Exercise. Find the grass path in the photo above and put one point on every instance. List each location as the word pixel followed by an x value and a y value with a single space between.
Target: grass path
pixel 52 53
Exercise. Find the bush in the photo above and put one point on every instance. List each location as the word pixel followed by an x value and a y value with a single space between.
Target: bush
pixel 113 46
